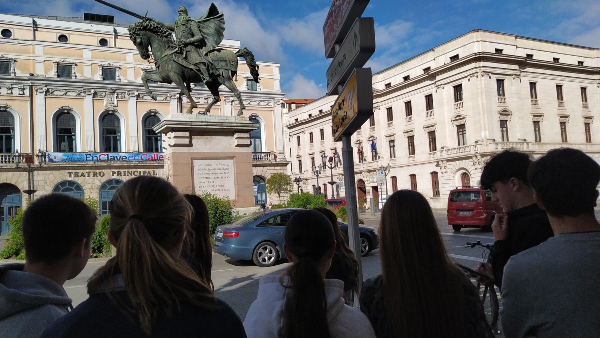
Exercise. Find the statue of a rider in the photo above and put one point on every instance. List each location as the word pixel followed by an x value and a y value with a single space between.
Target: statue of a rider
pixel 196 37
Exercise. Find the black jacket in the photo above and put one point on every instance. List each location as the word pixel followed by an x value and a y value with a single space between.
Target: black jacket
pixel 527 227
pixel 98 316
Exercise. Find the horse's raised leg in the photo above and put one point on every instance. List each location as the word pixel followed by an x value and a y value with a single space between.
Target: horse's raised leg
pixel 228 82
pixel 151 77
pixel 213 86
pixel 183 87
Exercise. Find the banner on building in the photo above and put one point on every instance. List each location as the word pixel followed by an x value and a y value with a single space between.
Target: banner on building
pixel 103 157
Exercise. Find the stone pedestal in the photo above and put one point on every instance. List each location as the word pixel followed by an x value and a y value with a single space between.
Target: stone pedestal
pixel 206 153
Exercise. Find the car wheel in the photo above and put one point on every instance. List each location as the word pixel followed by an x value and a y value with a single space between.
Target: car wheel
pixel 365 246
pixel 265 254
pixel 456 227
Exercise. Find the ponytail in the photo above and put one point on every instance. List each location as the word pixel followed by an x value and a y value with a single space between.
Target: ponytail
pixel 145 215
pixel 305 312
pixel 308 236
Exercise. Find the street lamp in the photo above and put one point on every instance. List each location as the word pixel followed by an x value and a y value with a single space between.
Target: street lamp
pixel 329 166
pixel 317 171
pixel 386 171
pixel 298 181
pixel 28 160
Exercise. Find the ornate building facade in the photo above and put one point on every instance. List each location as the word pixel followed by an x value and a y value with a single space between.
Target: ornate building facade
pixel 70 86
pixel 440 115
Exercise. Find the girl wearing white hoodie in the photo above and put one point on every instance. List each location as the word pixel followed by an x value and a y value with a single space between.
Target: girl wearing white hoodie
pixel 301 302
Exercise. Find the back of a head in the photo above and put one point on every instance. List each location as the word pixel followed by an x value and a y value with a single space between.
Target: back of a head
pixel 199 253
pixel 503 166
pixel 566 180
pixel 146 213
pixel 418 278
pixel 308 236
pixel 53 225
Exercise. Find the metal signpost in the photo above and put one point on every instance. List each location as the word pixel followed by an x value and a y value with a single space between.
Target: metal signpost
pixel 350 40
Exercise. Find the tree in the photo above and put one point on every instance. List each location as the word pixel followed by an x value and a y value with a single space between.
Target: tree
pixel 306 201
pixel 279 183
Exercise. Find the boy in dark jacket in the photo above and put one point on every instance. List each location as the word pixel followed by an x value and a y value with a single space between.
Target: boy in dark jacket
pixel 523 224
pixel 57 233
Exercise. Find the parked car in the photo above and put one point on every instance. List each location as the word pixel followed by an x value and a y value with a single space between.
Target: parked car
pixel 260 236
pixel 368 238
pixel 336 203
pixel 471 208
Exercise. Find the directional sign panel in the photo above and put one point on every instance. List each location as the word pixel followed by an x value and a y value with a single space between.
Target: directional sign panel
pixel 354 105
pixel 355 51
pixel 340 18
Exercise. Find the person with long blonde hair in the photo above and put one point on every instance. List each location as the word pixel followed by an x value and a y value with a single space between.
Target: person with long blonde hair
pixel 420 292
pixel 148 289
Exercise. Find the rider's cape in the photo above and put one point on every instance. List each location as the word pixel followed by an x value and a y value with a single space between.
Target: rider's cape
pixel 212 26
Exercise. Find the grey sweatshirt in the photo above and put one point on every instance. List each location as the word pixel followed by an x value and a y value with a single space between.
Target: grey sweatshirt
pixel 28 302
pixel 553 289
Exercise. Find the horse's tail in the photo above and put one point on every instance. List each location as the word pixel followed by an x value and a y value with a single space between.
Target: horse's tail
pixel 247 54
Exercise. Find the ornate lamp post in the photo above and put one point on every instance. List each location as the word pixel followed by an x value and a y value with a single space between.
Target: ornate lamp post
pixel 28 160
pixel 386 171
pixel 317 171
pixel 298 181
pixel 330 166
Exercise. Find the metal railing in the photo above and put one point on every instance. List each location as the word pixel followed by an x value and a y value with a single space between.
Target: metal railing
pixel 458 105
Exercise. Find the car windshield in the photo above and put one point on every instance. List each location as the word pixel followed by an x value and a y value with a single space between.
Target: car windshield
pixel 246 220
pixel 465 196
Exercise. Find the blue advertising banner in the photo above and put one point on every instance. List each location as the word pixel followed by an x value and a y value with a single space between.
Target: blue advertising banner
pixel 103 157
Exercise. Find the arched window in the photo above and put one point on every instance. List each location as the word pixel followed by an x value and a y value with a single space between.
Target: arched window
pixel 10 203
pixel 111 133
pixel 7 132
pixel 465 180
pixel 152 140
pixel 107 190
pixel 70 188
pixel 65 133
pixel 255 137
pixel 261 190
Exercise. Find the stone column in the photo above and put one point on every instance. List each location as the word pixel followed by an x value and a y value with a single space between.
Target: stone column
pixel 133 122
pixel 88 103
pixel 40 117
pixel 279 131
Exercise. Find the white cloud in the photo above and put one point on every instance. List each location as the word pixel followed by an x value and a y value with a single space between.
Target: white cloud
pixel 588 39
pixel 306 33
pixel 581 27
pixel 303 88
pixel 389 35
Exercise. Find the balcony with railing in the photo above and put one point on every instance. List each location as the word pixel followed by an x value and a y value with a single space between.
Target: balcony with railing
pixel 561 104
pixel 458 105
pixel 501 100
pixel 534 102
pixel 585 105
pixel 429 114
pixel 408 119
pixel 9 159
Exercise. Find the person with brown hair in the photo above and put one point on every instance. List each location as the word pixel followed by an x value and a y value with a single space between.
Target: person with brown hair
pixel 148 289
pixel 420 292
pixel 344 265
pixel 302 303
pixel 198 252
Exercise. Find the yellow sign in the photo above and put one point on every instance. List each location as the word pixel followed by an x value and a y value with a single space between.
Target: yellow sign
pixel 345 107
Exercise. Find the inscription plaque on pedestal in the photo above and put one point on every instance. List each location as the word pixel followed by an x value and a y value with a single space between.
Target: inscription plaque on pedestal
pixel 214 176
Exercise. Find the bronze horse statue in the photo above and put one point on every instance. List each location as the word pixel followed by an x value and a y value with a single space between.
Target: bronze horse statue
pixel 152 33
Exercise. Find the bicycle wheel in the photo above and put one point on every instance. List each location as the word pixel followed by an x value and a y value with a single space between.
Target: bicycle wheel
pixel 489 298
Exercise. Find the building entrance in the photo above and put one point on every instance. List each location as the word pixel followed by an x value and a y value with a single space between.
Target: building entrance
pixel 10 203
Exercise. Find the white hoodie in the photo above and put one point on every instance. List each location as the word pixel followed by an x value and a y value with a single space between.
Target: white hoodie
pixel 264 317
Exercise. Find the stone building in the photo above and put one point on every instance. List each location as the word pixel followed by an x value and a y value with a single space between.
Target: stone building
pixel 440 115
pixel 71 92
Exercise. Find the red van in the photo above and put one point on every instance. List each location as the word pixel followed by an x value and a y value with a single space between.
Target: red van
pixel 471 208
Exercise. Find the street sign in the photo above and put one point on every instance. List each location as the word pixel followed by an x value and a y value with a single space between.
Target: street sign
pixel 354 105
pixel 380 177
pixel 340 18
pixel 355 51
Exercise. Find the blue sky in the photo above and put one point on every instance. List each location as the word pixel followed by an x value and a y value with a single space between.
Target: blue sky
pixel 291 32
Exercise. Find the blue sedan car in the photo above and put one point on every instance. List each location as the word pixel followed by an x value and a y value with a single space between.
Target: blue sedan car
pixel 260 236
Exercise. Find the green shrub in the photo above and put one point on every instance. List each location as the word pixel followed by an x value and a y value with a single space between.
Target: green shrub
pixel 220 211
pixel 15 247
pixel 92 203
pixel 278 206
pixel 306 201
pixel 100 244
pixel 341 213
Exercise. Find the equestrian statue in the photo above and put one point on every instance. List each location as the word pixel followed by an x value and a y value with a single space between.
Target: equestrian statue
pixel 192 57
